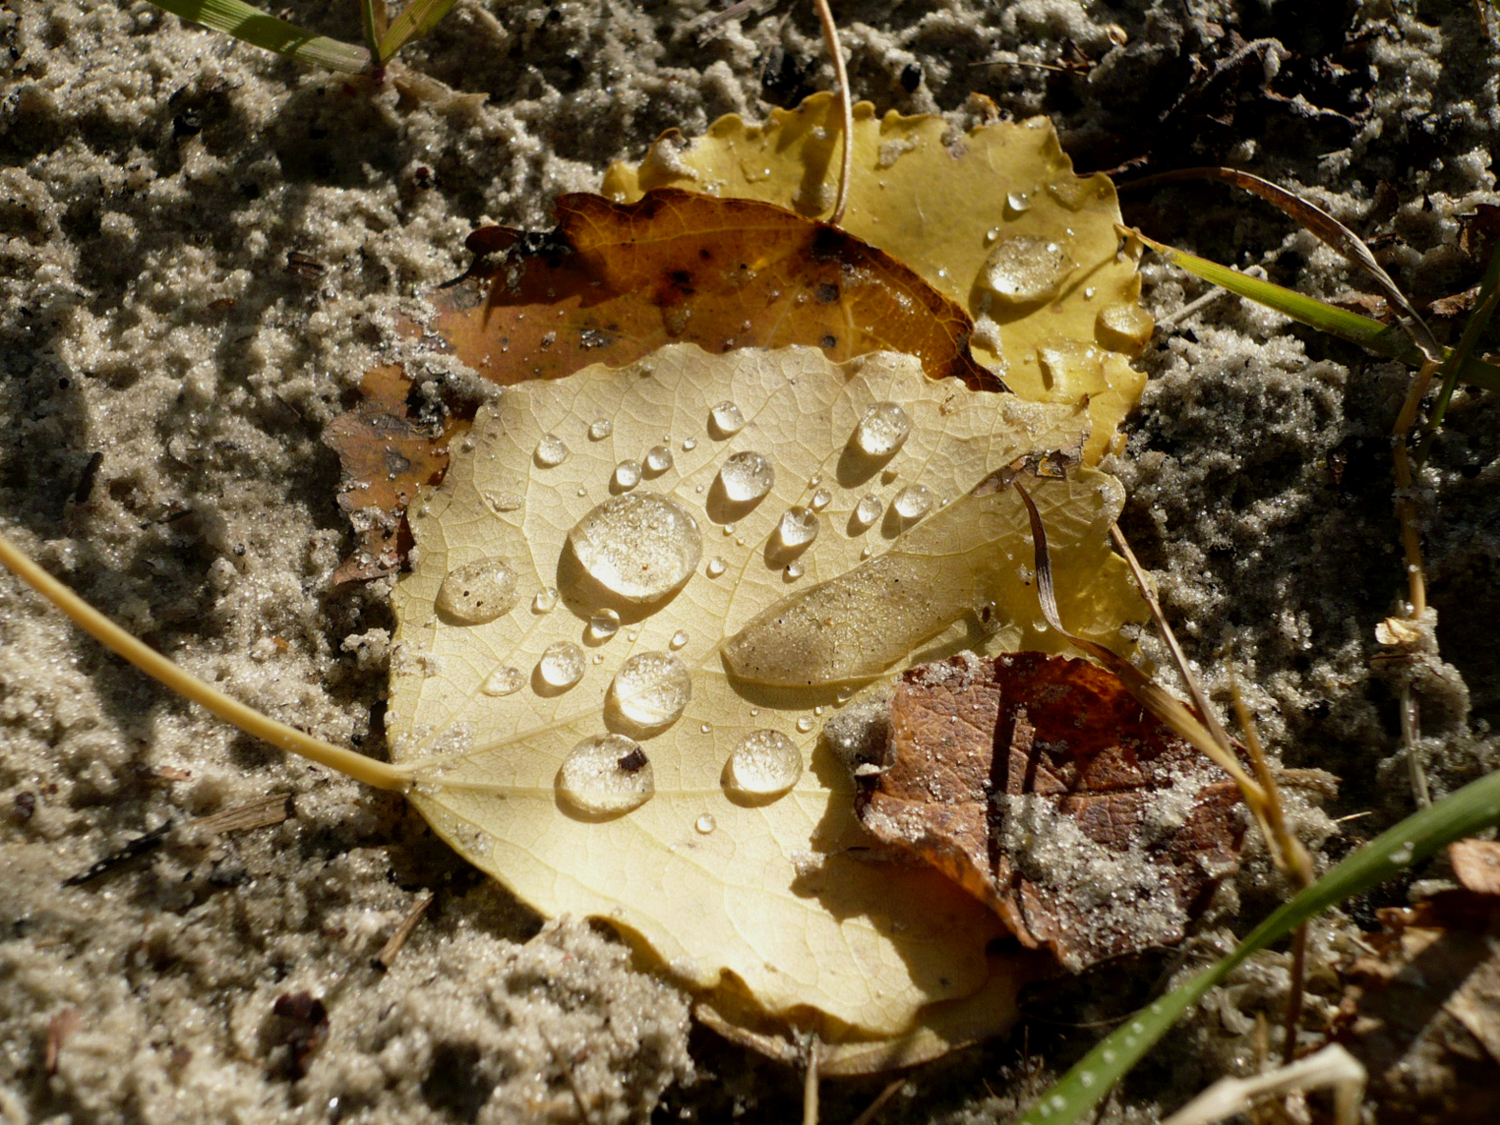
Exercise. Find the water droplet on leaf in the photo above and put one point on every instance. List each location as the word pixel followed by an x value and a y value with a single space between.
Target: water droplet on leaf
pixel 650 690
pixel 600 428
pixel 798 527
pixel 604 624
pixel 561 665
pixel 640 547
pixel 478 592
pixel 913 502
pixel 550 451
pixel 821 499
pixel 746 476
pixel 1024 269
pixel 765 762
pixel 715 567
pixel 705 824
pixel 867 511
pixel 883 430
pixel 627 475
pixel 725 420
pixel 658 459
pixel 504 680
pixel 545 600
pixel 607 773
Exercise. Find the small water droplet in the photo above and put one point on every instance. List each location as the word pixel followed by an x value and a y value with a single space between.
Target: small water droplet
pixel 799 526
pixel 821 499
pixel 728 530
pixel 550 451
pixel 705 728
pixel 705 824
pixel 865 552
pixel 627 475
pixel 1017 203
pixel 641 546
pixel 689 444
pixel 658 459
pixel 991 235
pixel 804 724
pixel 477 592
pixel 882 430
pixel 715 567
pixel 867 511
pixel 561 665
pixel 504 501
pixel 746 476
pixel 844 694
pixel 600 428
pixel 1403 854
pixel 679 639
pixel 793 571
pixel 607 773
pixel 604 624
pixel 504 680
pixel 1024 269
pixel 765 762
pixel 650 690
pixel 913 502
pixel 725 420
pixel 545 601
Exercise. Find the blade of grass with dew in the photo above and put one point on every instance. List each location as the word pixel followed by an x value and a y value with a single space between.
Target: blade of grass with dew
pixel 419 17
pixel 1469 811
pixel 272 34
pixel 1382 339
pixel 1479 319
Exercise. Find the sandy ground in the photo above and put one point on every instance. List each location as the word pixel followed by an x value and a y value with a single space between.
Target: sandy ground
pixel 202 247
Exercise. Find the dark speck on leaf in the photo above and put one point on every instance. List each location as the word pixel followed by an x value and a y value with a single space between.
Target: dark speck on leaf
pixel 633 761
pixel 827 293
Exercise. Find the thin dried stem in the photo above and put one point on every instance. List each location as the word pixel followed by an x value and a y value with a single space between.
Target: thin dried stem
pixel 810 1082
pixel 158 667
pixel 846 106
pixel 885 1095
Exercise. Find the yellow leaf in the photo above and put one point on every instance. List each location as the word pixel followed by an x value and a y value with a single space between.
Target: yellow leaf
pixel 995 220
pixel 647 771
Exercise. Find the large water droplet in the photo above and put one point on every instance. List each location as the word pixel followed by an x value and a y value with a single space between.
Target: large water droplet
pixel 650 690
pixel 799 526
pixel 627 475
pixel 658 459
pixel 504 680
pixel 1024 269
pixel 640 547
pixel 478 592
pixel 607 773
pixel 746 476
pixel 867 511
pixel 550 451
pixel 1123 326
pixel 725 420
pixel 600 428
pixel 883 430
pixel 766 762
pixel 561 665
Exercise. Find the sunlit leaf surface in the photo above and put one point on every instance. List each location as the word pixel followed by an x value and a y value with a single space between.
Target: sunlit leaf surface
pixel 663 767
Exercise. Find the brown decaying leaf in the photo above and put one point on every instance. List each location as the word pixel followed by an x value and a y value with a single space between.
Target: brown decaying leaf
pixel 614 282
pixel 1040 786
pixel 386 455
pixel 1422 1010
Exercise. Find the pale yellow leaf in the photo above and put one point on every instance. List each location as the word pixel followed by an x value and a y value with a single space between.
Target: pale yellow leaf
pixel 995 220
pixel 771 905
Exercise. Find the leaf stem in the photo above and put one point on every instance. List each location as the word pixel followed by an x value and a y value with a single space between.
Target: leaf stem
pixel 846 105
pixel 158 667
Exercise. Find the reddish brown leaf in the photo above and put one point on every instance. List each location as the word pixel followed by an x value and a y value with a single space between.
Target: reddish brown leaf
pixel 1040 786
pixel 386 455
pixel 615 281
pixel 1476 864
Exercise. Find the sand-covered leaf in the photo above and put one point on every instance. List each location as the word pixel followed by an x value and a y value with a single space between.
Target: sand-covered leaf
pixel 592 726
pixel 994 219
pixel 1037 783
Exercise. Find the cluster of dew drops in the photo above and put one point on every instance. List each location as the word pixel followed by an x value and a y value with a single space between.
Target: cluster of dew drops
pixel 642 546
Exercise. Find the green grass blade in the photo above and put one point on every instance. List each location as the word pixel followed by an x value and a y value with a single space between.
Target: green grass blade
pixel 260 30
pixel 1472 809
pixel 1382 339
pixel 373 18
pixel 419 17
